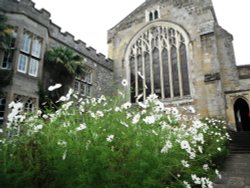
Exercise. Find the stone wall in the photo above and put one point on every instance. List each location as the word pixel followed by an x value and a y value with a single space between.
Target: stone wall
pixel 215 80
pixel 244 71
pixel 42 18
pixel 198 20
pixel 24 15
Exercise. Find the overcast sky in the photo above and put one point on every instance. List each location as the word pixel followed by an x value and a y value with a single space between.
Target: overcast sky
pixel 89 20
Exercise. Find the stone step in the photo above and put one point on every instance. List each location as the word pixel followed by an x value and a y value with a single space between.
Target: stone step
pixel 236 171
pixel 240 143
pixel 241 147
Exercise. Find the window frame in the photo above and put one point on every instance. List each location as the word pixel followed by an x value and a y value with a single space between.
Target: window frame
pixel 84 83
pixel 24 42
pixel 24 100
pixel 152 14
pixel 26 63
pixel 2 105
pixel 31 72
pixel 31 47
pixel 8 56
pixel 36 47
pixel 139 45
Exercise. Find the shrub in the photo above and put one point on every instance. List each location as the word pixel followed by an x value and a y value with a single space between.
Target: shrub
pixel 98 143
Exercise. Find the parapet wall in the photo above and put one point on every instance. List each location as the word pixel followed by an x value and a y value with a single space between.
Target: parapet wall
pixel 27 8
pixel 138 15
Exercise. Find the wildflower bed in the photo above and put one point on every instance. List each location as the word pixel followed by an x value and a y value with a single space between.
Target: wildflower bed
pixel 98 143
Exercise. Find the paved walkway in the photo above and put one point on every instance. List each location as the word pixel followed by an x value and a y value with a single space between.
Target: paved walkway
pixel 236 171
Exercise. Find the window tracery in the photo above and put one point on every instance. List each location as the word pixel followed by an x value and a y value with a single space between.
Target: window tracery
pixel 152 14
pixel 158 62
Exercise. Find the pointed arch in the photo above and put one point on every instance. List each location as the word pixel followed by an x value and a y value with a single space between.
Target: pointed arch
pixel 156 14
pixel 151 16
pixel 163 61
pixel 241 112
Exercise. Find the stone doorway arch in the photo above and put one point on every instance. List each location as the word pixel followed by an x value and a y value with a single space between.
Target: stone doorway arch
pixel 241 113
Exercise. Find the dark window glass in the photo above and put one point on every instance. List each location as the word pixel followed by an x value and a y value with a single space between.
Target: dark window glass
pixel 184 70
pixel 140 72
pixel 175 72
pixel 2 109
pixel 150 16
pixel 156 69
pixel 166 72
pixel 147 76
pixel 132 79
pixel 156 14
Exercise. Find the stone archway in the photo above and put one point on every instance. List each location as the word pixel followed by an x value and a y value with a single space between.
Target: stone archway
pixel 241 112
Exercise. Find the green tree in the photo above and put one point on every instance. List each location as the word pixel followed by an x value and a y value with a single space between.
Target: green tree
pixel 5 33
pixel 5 40
pixel 70 62
pixel 61 66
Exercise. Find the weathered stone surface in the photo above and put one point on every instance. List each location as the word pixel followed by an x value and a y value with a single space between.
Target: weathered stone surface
pixel 24 16
pixel 236 182
pixel 215 81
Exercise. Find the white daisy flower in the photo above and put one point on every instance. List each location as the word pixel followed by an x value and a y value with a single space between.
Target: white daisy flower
pixel 185 163
pixel 110 138
pixel 124 82
pixel 81 127
pixel 54 87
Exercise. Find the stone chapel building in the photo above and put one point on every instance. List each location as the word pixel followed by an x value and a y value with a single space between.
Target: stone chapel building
pixel 177 50
pixel 173 48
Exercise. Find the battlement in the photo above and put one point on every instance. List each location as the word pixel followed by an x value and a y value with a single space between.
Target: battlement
pixel 78 45
pixel 27 8
pixel 43 17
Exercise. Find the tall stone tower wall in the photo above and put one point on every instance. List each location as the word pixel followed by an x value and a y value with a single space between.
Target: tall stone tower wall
pixel 198 19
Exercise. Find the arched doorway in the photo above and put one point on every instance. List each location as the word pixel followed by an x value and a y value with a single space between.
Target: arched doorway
pixel 241 112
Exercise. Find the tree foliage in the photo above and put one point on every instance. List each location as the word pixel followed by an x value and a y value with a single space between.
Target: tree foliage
pixel 72 62
pixel 5 33
pixel 61 66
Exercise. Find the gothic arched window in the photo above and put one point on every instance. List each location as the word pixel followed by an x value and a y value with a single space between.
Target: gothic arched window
pixel 156 15
pixel 151 16
pixel 158 62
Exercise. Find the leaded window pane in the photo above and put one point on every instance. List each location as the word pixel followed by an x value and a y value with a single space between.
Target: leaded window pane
pixel 166 73
pixel 22 63
pixel 163 65
pixel 76 86
pixel 28 106
pixel 26 42
pixel 175 72
pixel 2 108
pixel 87 90
pixel 36 47
pixel 148 74
pixel 156 65
pixel 139 73
pixel 33 68
pixel 132 79
pixel 184 70
pixel 7 59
